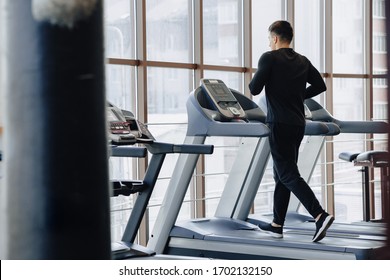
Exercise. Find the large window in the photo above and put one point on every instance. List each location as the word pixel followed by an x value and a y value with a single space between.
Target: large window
pixel 120 32
pixel 348 37
pixel 308 31
pixel 120 89
pixel 168 29
pixel 222 32
pixel 263 14
pixel 157 51
pixel 348 102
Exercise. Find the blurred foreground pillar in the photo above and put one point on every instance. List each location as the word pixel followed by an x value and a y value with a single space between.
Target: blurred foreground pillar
pixel 386 254
pixel 55 196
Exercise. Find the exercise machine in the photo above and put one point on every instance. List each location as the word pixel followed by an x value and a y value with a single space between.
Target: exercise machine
pixel 296 222
pixel 367 160
pixel 210 113
pixel 124 132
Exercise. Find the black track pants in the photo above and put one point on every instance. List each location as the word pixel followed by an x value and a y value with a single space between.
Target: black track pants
pixel 284 141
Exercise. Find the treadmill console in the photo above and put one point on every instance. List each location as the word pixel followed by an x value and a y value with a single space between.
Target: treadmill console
pixel 119 129
pixel 222 99
pixel 139 129
pixel 124 129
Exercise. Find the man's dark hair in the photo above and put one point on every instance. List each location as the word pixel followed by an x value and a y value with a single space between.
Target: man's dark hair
pixel 282 29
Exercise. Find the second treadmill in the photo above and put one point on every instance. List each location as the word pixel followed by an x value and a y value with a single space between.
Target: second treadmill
pixel 227 237
pixel 304 224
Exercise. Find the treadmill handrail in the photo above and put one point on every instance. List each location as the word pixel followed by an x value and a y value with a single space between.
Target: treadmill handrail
pixel 128 151
pixel 313 127
pixel 318 128
pixel 319 113
pixel 168 148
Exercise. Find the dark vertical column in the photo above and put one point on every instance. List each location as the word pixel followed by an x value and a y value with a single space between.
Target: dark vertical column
pixel 55 155
pixel 366 193
pixel 387 214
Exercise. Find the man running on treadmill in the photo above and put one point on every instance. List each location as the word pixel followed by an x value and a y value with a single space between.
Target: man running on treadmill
pixel 285 74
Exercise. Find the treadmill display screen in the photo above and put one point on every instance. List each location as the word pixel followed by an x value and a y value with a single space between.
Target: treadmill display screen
pixel 222 94
pixel 222 99
pixel 219 90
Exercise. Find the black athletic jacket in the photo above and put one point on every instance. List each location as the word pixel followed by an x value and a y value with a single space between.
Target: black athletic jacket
pixel 285 74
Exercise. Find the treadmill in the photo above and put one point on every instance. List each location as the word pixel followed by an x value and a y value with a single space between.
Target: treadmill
pixel 237 204
pixel 125 135
pixel 215 110
pixel 307 160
